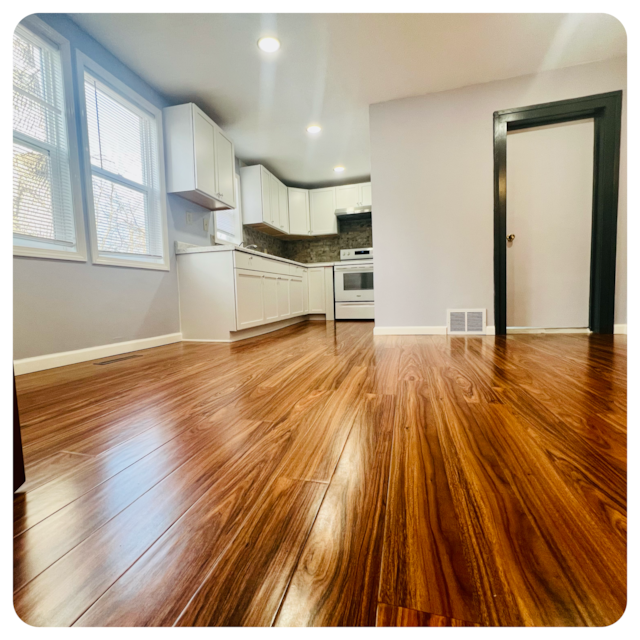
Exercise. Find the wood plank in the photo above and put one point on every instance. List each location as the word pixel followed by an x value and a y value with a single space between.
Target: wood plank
pixel 342 554
pixel 248 582
pixel 424 564
pixel 389 616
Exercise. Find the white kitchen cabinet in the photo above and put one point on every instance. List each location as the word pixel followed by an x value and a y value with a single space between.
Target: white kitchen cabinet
pixel 353 195
pixel 261 196
pixel 305 291
pixel 200 158
pixel 249 302
pixel 284 304
pixel 270 297
pixel 317 302
pixel 299 212
pixel 322 211
pixel 296 296
pixel 283 202
pixel 274 199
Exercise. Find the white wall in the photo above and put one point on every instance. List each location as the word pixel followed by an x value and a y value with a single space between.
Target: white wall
pixel 432 177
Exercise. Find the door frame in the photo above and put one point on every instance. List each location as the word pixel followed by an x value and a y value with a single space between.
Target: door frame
pixel 606 110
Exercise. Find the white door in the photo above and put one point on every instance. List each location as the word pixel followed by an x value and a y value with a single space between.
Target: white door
pixel 295 296
pixel 549 196
pixel 274 197
pixel 316 290
pixel 298 211
pixel 283 201
pixel 204 134
pixel 284 304
pixel 270 293
pixel 347 197
pixel 225 169
pixel 249 305
pixel 322 210
pixel 365 194
pixel 265 179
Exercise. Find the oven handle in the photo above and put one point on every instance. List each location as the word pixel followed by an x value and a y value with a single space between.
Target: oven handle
pixel 361 269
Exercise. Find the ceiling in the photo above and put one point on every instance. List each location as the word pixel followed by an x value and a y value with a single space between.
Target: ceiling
pixel 331 67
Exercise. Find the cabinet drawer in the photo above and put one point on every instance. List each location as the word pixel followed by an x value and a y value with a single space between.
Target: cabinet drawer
pixel 275 266
pixel 296 271
pixel 248 261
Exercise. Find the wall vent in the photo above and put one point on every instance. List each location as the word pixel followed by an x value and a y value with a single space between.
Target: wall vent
pixel 466 321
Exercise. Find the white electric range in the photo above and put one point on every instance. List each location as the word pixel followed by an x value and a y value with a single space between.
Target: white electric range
pixel 353 285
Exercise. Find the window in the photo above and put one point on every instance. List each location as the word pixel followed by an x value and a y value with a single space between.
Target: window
pixel 123 164
pixel 47 209
pixel 229 221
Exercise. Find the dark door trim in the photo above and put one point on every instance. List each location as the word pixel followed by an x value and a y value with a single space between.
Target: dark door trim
pixel 606 110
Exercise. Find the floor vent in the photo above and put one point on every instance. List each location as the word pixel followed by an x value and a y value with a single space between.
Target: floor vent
pixel 116 360
pixel 467 321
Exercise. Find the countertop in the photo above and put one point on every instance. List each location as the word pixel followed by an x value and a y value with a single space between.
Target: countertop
pixel 185 247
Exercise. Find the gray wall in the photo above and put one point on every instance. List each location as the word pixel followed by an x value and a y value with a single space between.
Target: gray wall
pixel 432 177
pixel 62 306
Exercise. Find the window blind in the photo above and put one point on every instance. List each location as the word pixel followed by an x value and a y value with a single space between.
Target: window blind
pixel 42 200
pixel 123 145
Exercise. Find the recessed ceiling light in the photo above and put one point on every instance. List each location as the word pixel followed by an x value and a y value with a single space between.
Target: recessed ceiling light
pixel 269 44
pixel 338 169
pixel 314 128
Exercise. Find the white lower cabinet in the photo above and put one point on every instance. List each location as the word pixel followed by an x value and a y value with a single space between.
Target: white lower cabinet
pixel 284 304
pixel 316 290
pixel 231 294
pixel 270 297
pixel 296 295
pixel 249 299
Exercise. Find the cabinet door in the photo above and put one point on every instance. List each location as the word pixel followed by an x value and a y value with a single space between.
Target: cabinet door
pixel 225 169
pixel 298 211
pixel 365 194
pixel 284 304
pixel 305 291
pixel 270 294
pixel 347 196
pixel 274 201
pixel 204 136
pixel 265 180
pixel 295 296
pixel 283 200
pixel 249 303
pixel 316 290
pixel 322 210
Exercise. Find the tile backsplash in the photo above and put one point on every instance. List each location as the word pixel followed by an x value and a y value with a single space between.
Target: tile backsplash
pixel 353 234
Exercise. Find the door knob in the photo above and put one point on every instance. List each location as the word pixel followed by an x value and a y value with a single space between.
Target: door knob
pixel 511 238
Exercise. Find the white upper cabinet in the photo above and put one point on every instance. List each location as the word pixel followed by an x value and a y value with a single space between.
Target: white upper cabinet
pixel 322 211
pixel 274 199
pixel 283 202
pixel 261 200
pixel 225 169
pixel 299 212
pixel 200 158
pixel 353 195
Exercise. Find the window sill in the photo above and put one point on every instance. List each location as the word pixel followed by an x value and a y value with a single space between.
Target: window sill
pixel 131 264
pixel 49 254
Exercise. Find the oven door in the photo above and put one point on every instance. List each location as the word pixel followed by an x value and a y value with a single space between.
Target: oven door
pixel 353 283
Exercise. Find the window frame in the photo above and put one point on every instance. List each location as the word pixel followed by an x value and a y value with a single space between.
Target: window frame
pixel 239 223
pixel 42 30
pixel 84 63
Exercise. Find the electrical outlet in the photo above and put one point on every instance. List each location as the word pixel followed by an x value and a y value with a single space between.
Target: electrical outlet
pixel 205 223
pixel 189 217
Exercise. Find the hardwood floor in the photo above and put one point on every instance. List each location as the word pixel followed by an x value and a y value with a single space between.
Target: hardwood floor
pixel 320 475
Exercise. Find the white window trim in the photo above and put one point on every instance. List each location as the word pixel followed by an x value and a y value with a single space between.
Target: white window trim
pixel 42 29
pixel 84 63
pixel 239 224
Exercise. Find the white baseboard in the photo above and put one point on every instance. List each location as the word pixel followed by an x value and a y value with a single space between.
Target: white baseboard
pixel 581 330
pixel 409 331
pixel 53 360
pixel 620 328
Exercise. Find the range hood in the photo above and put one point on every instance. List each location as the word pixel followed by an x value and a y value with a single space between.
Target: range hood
pixel 354 213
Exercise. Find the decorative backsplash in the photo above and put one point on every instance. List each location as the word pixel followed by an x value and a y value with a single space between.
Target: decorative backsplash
pixel 353 234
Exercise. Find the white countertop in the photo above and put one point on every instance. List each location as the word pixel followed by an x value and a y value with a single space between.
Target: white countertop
pixel 185 247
